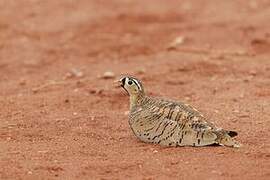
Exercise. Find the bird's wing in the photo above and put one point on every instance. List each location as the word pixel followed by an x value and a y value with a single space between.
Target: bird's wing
pixel 184 114
pixel 168 119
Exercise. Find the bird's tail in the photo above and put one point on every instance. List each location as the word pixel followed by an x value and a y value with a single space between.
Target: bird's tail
pixel 224 138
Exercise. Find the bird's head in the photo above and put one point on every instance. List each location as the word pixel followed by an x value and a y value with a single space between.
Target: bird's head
pixel 132 85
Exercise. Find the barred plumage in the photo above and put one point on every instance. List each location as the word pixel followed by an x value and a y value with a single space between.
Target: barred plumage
pixel 170 123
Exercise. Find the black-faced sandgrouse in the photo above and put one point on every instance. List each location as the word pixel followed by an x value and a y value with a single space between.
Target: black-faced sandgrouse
pixel 170 123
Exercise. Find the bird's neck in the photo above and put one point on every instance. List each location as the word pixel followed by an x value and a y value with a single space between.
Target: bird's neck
pixel 135 99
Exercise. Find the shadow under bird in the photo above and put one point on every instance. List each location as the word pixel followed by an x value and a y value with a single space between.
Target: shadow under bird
pixel 170 123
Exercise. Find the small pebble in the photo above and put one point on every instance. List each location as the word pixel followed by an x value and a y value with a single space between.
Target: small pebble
pixel 242 95
pixel 235 100
pixel 213 78
pixel 108 75
pixel 174 162
pixel 252 72
pixel 243 115
pixel 183 69
pixel 68 75
pixel 76 72
pixel 215 90
pixel 96 91
pixel 176 42
pixel 22 82
pixel 73 73
pixel 141 71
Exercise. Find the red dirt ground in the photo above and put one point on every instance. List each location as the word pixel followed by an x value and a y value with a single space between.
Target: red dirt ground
pixel 56 125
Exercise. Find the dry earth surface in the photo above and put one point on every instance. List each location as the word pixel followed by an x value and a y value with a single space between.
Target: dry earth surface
pixel 61 119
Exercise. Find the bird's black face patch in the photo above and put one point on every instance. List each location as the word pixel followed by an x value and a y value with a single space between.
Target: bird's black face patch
pixel 123 82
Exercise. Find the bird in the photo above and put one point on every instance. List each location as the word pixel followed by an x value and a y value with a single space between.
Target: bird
pixel 170 123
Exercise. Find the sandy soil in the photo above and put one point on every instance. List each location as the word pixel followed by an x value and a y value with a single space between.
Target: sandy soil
pixel 59 119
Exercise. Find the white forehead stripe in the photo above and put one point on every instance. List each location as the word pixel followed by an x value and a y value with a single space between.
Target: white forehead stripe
pixel 137 83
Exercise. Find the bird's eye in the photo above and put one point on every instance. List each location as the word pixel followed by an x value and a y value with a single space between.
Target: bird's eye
pixel 130 82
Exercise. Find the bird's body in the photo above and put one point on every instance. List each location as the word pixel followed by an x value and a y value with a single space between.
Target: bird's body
pixel 171 123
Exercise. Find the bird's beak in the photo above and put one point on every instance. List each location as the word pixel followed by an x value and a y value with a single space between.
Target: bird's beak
pixel 121 83
pixel 118 83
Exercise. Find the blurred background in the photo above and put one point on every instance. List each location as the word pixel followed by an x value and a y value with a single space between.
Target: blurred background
pixel 61 116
